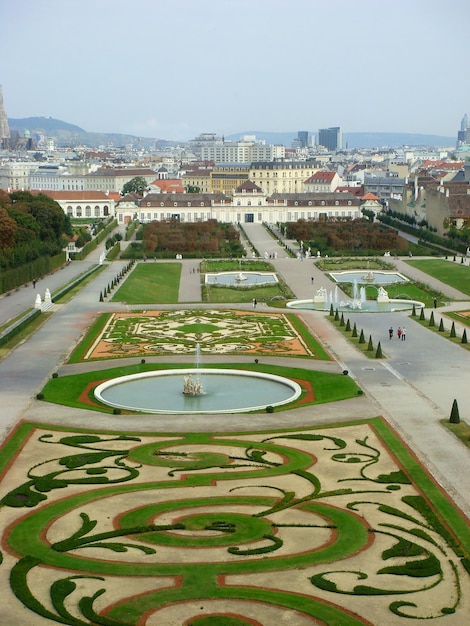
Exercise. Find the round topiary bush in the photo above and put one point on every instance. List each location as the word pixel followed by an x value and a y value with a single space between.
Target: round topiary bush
pixel 345 372
pixel 269 409
pixel 55 375
pixel 39 396
pixel 360 392
pixel 142 361
pixel 116 411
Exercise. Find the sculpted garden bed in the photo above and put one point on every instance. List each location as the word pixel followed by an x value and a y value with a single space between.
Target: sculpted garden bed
pixel 224 332
pixel 337 525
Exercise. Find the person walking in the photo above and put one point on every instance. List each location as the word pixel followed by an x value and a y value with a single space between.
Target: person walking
pixel 403 334
pixel 254 303
pixel 390 332
pixel 399 331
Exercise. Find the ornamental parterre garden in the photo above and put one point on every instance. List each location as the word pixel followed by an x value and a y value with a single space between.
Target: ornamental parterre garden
pixel 336 524
pixel 330 525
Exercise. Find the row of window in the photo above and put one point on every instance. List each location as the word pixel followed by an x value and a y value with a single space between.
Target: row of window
pixel 310 203
pixel 88 211
pixel 201 216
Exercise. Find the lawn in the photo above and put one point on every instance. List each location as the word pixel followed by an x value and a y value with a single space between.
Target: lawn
pixel 455 275
pixel 150 283
pixel 235 295
pixel 69 390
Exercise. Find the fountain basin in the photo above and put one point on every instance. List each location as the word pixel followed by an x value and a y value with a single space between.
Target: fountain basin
pixel 368 277
pixel 241 279
pixel 369 306
pixel 225 391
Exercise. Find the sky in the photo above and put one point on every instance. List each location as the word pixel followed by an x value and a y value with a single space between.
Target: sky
pixel 173 69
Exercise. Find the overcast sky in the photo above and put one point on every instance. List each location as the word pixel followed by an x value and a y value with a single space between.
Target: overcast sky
pixel 173 69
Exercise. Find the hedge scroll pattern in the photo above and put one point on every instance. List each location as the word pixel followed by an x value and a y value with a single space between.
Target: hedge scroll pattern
pixel 203 529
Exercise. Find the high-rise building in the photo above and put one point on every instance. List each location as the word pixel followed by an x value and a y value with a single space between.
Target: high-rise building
pixel 4 128
pixel 463 135
pixel 331 138
pixel 464 122
pixel 302 137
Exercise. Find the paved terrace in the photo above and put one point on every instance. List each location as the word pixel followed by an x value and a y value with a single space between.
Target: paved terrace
pixel 413 388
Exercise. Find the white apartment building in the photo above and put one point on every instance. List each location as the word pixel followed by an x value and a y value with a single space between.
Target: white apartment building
pixel 16 176
pixel 241 152
pixel 107 180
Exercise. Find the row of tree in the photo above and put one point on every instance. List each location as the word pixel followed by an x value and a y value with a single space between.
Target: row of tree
pixel 31 226
pixel 359 235
pixel 168 238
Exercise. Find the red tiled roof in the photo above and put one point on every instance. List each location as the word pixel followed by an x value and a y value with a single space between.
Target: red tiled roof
pixel 321 177
pixel 370 196
pixel 169 185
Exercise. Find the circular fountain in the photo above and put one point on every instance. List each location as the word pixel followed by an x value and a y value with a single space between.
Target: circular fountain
pixel 197 390
pixel 223 391
pixel 323 301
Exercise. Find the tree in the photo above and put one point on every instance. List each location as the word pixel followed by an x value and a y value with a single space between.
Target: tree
pixel 454 413
pixel 138 184
pixel 8 228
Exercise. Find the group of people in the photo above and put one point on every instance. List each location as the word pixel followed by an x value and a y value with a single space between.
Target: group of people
pixel 401 333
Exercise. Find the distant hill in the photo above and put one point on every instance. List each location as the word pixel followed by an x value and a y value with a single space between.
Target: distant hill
pixel 65 134
pixel 358 140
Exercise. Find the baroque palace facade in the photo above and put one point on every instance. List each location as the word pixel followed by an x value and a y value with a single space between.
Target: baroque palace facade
pixel 248 203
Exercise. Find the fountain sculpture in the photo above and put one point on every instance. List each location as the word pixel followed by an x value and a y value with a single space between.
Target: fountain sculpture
pixel 192 386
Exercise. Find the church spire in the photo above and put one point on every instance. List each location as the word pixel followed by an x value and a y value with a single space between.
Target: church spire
pixel 4 128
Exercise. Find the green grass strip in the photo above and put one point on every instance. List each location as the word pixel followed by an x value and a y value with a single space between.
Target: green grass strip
pixel 456 275
pixel 149 283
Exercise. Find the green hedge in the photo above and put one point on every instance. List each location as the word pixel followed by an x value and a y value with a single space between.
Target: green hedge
pixel 18 276
pixel 91 245
pixel 18 326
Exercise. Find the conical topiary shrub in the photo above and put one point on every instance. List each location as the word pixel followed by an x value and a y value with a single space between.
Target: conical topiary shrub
pixel 421 317
pixel 101 296
pixel 452 330
pixel 413 312
pixel 454 414
pixel 336 315
pixel 370 347
pixel 464 336
pixel 348 325
pixel 441 326
pixel 332 311
pixel 378 353
pixel 341 321
pixel 431 319
pixel 362 339
pixel 354 330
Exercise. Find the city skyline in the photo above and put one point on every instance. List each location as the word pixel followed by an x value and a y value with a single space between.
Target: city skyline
pixel 179 69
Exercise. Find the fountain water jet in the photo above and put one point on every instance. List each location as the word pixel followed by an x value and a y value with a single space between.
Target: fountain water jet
pixel 192 386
